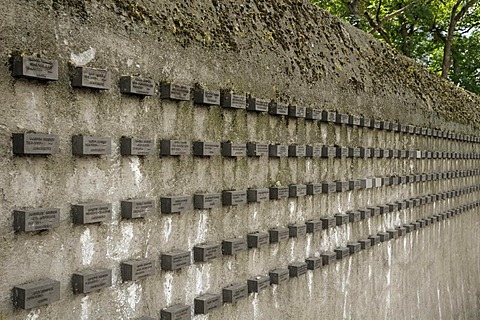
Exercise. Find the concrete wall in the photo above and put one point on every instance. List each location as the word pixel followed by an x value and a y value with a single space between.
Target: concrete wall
pixel 287 51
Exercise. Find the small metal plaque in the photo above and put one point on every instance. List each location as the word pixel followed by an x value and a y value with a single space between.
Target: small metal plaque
pixel 206 149
pixel 235 101
pixel 328 116
pixel 328 257
pixel 279 109
pixel 329 187
pixel 35 68
pixel 279 234
pixel 364 213
pixel 341 152
pixel 207 252
pixel 35 143
pixel 258 195
pixel 137 269
pixel 234 197
pixel 314 151
pixel 353 152
pixel 279 192
pixel 234 246
pixel 313 114
pixel 207 200
pixel 257 149
pixel 328 222
pixel 86 145
pixel 235 292
pixel 91 213
pixel 314 188
pixel 258 283
pixel 342 253
pixel 210 97
pixel 297 230
pixel 174 147
pixel 354 216
pixel 341 219
pixel 314 263
pixel 297 190
pixel 207 302
pixel 328 152
pixel 341 118
pixel 342 186
pixel 175 91
pixel 136 147
pixel 35 294
pixel 258 105
pixel 175 260
pixel 258 239
pixel 297 151
pixel 93 78
pixel 279 276
pixel 374 239
pixel 296 269
pixel 36 219
pixel 234 149
pixel 365 243
pixel 91 280
pixel 353 120
pixel 374 211
pixel 175 204
pixel 136 85
pixel 354 247
pixel 354 184
pixel 384 236
pixel 278 150
pixel 138 208
pixel 314 226
pixel 401 231
pixel 176 312
pixel 297 111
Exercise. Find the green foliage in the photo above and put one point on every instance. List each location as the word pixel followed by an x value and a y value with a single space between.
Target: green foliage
pixel 420 32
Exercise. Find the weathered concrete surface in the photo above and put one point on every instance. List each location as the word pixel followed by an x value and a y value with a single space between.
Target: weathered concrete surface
pixel 288 51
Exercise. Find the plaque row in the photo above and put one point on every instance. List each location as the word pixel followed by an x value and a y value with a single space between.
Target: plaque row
pixel 32 220
pixel 46 144
pixel 101 79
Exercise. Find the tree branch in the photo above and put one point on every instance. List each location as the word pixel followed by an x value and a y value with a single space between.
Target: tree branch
pixel 381 31
pixel 393 15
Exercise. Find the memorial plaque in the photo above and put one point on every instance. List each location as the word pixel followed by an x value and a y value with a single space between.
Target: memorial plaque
pixel 206 252
pixel 175 91
pixel 364 213
pixel 341 152
pixel 35 143
pixel 394 180
pixel 206 149
pixel 378 182
pixel 374 211
pixel 91 213
pixel 86 145
pixel 85 77
pixel 257 149
pixel 234 149
pixel 328 116
pixel 377 124
pixel 297 230
pixel 204 201
pixel 384 236
pixel 314 226
pixel 297 151
pixel 392 207
pixel 329 187
pixel 314 263
pixel 138 208
pixel 35 68
pixel 328 222
pixel 341 118
pixel 384 209
pixel 279 234
pixel 279 192
pixel 258 105
pixel 174 147
pixel 35 294
pixel 175 260
pixel 209 97
pixel 234 246
pixel 279 109
pixel 353 152
pixel 366 183
pixel 137 269
pixel 207 302
pixel 341 219
pixel 176 312
pixel 138 86
pixel 297 190
pixel 329 152
pixel 375 239
pixel 258 239
pixel 313 114
pixel 234 197
pixel 401 231
pixel 354 216
pixel 354 247
pixel 386 181
pixel 258 283
pixel 235 101
pixel 296 269
pixel 136 147
pixel 29 220
pixel 234 293
pixel 258 195
pixel 279 276
pixel 314 188
pixel 297 111
pixel 342 186
pixel 353 120
pixel 314 151
pixel 328 257
pixel 91 280
pixel 176 204
pixel 342 253
pixel 393 233
pixel 409 228
pixel 278 150
pixel 365 243
pixel 354 184
pixel 376 153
